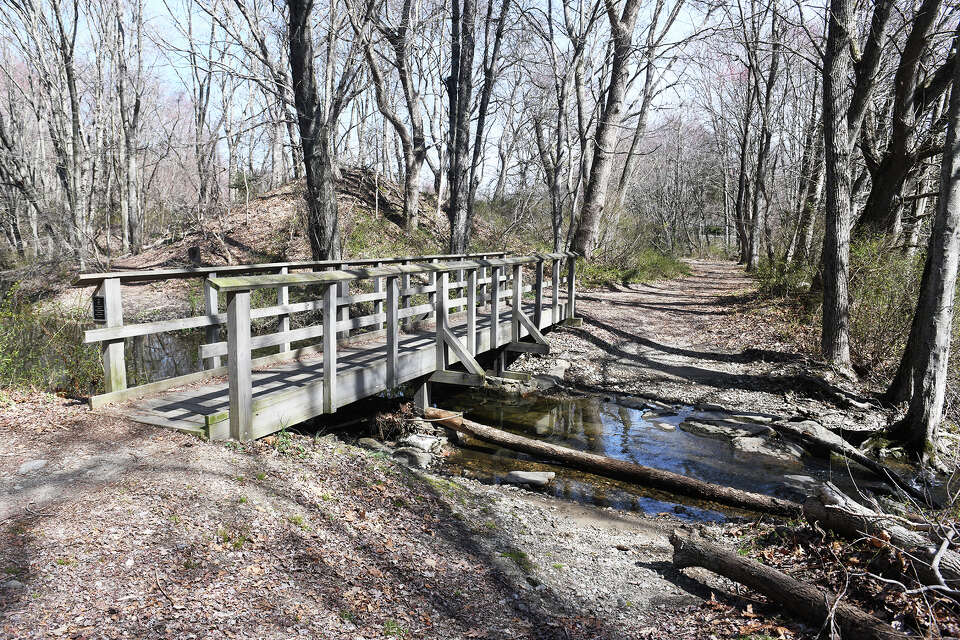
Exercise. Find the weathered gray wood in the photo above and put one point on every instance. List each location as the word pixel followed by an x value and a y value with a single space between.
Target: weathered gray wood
pixel 343 291
pixel 421 397
pixel 528 324
pixel 458 377
pixel 527 347
pixel 211 305
pixel 114 364
pixel 378 288
pixel 517 301
pixel 330 349
pixel 571 286
pixel 481 277
pixel 465 357
pixel 267 340
pixel 239 366
pixel 432 297
pixel 538 292
pixel 393 332
pixel 472 311
pixel 494 306
pixel 442 319
pixel 555 302
pixel 283 322
pixel 91 279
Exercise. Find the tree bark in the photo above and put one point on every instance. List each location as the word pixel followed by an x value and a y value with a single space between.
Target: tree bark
pixel 922 375
pixel 322 218
pixel 613 468
pixel 608 126
pixel 835 343
pixel 807 602
pixel 460 89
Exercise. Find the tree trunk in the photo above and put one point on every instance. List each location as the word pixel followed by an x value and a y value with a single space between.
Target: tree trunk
pixel 608 127
pixel 613 468
pixel 315 141
pixel 922 375
pixel 807 602
pixel 460 88
pixel 835 343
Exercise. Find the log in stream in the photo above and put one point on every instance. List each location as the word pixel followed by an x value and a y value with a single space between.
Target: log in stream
pixel 617 469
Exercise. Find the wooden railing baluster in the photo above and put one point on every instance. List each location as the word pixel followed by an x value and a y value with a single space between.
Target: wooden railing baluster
pixel 239 371
pixel 494 307
pixel 571 286
pixel 393 334
pixel 472 345
pixel 330 348
pixel 555 302
pixel 538 293
pixel 442 319
pixel 517 301
pixel 283 321
pixel 114 362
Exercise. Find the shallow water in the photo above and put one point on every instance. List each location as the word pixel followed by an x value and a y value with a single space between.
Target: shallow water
pixel 654 438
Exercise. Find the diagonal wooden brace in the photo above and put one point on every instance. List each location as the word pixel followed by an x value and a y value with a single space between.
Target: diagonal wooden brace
pixel 530 327
pixel 469 362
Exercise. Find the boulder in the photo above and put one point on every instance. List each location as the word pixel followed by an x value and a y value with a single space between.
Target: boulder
pixel 417 441
pixel 413 457
pixel 374 445
pixel 718 429
pixel 532 478
pixel 764 446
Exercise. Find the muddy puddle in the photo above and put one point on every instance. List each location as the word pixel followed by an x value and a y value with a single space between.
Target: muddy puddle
pixel 675 438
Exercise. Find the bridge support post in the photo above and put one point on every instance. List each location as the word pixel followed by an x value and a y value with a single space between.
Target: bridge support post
pixel 494 308
pixel 239 373
pixel 114 362
pixel 442 319
pixel 393 333
pixel 421 397
pixel 211 306
pixel 432 296
pixel 571 286
pixel 517 301
pixel 538 292
pixel 472 345
pixel 555 276
pixel 283 321
pixel 330 348
pixel 378 288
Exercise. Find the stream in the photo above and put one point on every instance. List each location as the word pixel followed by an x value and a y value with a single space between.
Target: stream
pixel 664 438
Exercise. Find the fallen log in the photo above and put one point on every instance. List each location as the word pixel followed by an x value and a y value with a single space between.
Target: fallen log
pixel 618 469
pixel 816 438
pixel 809 603
pixel 834 510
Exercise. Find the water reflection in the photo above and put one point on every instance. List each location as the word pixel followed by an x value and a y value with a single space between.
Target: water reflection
pixel 162 355
pixel 651 438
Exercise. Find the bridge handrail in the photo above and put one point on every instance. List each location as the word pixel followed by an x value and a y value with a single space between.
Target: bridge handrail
pixel 150 275
pixel 249 283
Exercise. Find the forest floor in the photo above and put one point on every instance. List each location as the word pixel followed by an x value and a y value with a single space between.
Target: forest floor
pixel 114 529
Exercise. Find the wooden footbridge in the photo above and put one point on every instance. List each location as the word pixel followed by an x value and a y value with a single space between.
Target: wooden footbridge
pixel 354 329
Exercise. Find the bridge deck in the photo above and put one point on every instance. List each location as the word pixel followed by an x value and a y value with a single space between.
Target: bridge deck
pixel 291 392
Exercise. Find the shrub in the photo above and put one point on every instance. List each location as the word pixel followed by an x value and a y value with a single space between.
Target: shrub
pixel 43 349
pixel 642 266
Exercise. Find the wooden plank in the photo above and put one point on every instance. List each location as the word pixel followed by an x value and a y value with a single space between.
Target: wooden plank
pixel 534 332
pixel 211 305
pixel 393 332
pixel 330 349
pixel 114 364
pixel 90 279
pixel 555 302
pixel 571 286
pixel 472 312
pixel 240 283
pixel 517 301
pixel 465 357
pixel 239 365
pixel 283 321
pixel 442 320
pixel 522 376
pixel 457 377
pixel 159 421
pixel 494 306
pixel 378 290
pixel 527 347
pixel 538 293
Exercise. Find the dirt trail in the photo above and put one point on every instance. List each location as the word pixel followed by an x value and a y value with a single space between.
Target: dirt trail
pixel 695 341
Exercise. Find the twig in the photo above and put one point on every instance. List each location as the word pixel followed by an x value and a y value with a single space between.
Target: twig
pixel 156 575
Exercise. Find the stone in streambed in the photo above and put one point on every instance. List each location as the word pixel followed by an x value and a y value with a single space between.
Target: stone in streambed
pixel 374 445
pixel 763 446
pixel 30 466
pixel 413 457
pixel 532 478
pixel 417 441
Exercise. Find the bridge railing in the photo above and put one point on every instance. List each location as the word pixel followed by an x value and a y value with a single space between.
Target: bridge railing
pixel 112 332
pixel 468 276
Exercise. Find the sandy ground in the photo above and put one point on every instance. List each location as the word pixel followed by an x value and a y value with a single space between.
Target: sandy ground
pixel 132 531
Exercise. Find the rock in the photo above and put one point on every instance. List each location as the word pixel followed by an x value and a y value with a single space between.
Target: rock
pixel 413 457
pixel 666 426
pixel 633 403
pixel 532 478
pixel 763 446
pixel 373 445
pixel 800 482
pixel 723 429
pixel 14 585
pixel 30 466
pixel 417 441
